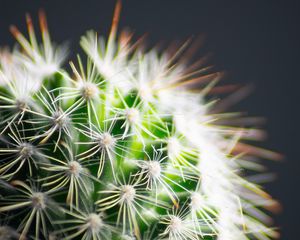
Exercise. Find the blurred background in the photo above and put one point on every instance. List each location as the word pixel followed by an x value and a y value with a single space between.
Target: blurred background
pixel 254 41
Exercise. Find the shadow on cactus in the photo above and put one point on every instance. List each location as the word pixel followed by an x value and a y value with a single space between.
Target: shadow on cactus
pixel 131 144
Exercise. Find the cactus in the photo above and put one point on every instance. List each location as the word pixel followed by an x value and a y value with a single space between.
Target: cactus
pixel 127 145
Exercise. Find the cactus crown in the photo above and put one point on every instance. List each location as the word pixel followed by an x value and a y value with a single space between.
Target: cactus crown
pixel 125 147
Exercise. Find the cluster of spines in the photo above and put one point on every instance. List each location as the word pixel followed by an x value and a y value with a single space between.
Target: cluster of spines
pixel 122 149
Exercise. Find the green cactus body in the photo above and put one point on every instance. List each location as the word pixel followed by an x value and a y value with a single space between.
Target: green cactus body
pixel 122 148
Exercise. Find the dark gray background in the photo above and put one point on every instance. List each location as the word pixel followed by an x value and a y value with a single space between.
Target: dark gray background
pixel 256 41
